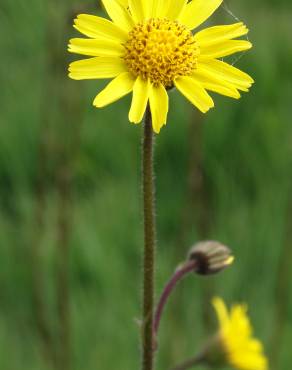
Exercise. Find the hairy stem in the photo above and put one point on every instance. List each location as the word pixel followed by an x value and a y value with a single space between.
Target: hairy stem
pixel 149 242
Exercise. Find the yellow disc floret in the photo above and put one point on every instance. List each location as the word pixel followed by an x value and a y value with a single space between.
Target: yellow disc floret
pixel 161 50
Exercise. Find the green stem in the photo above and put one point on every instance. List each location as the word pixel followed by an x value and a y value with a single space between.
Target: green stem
pixel 149 242
pixel 63 268
pixel 38 261
pixel 197 360
pixel 283 280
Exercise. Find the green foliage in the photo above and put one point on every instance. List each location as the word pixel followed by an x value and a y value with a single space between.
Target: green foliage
pixel 246 158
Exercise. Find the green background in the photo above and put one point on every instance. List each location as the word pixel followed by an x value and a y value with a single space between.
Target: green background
pixel 70 178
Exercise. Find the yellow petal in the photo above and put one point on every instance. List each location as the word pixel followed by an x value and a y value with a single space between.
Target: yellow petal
pixel 119 14
pixel 221 311
pixel 244 360
pixel 136 8
pixel 213 35
pixel 160 8
pixel 197 11
pixel 240 321
pixel 143 10
pixel 124 3
pixel 242 350
pixel 151 8
pixel 98 67
pixel 228 73
pixel 117 88
pixel 139 100
pixel 212 83
pixel 158 100
pixel 175 8
pixel 224 48
pixel 195 93
pixel 97 27
pixel 95 47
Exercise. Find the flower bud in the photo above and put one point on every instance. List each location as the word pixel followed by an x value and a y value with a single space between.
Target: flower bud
pixel 211 257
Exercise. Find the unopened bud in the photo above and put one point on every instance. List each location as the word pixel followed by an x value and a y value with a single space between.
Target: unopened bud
pixel 211 257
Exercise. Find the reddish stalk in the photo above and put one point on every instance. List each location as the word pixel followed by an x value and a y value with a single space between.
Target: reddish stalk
pixel 179 274
pixel 149 242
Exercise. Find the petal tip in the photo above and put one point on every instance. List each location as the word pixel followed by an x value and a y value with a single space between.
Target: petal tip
pixel 210 107
pixel 132 119
pixel 71 75
pixel 96 104
pixel 248 45
pixel 157 129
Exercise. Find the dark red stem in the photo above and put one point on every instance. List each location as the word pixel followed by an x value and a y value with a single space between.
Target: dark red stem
pixel 179 274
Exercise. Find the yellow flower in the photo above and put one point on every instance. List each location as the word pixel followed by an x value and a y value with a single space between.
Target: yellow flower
pixel 242 350
pixel 148 47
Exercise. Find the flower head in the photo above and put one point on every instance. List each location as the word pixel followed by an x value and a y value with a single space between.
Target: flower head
pixel 149 46
pixel 240 349
pixel 211 257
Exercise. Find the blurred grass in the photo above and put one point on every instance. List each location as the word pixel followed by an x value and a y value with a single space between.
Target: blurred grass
pixel 247 155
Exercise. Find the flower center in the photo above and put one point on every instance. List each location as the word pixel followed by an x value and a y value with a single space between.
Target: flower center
pixel 161 50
